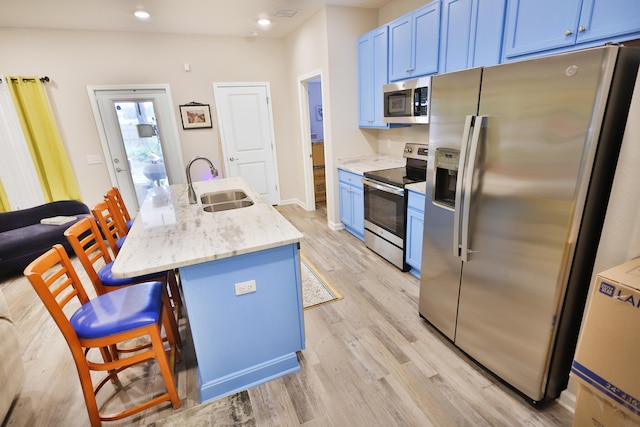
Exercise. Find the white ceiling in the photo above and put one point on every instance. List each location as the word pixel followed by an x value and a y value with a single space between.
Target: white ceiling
pixel 211 17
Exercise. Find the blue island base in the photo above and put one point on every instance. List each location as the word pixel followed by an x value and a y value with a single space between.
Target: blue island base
pixel 244 337
pixel 248 378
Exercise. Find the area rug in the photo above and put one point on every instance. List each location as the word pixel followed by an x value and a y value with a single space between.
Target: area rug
pixel 316 290
pixel 230 411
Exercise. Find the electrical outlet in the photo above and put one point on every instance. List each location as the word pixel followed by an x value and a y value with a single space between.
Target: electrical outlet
pixel 245 287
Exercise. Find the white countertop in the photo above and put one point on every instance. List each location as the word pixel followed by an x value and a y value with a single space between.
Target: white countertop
pixel 418 187
pixel 168 232
pixel 362 164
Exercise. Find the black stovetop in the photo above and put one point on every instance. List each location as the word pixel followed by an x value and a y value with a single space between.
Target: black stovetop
pixel 415 171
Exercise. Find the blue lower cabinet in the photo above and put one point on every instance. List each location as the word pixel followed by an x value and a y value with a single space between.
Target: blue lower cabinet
pixel 352 202
pixel 415 228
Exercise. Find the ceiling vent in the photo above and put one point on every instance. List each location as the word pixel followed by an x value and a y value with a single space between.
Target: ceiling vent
pixel 285 13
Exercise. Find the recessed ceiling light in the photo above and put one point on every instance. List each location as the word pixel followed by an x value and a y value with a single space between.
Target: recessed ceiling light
pixel 141 14
pixel 264 22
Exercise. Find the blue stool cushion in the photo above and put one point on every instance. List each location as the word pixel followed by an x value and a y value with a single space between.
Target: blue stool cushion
pixel 122 310
pixel 129 224
pixel 106 277
pixel 120 241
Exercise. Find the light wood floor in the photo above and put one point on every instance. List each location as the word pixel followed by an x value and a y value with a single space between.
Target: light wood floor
pixel 370 360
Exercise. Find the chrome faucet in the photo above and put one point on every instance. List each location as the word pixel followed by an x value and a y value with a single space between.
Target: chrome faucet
pixel 192 193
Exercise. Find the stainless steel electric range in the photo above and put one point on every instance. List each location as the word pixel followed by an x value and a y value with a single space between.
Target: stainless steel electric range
pixel 385 204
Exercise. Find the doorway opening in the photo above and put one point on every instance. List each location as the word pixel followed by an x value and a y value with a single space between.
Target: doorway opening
pixel 313 141
pixel 139 137
pixel 314 89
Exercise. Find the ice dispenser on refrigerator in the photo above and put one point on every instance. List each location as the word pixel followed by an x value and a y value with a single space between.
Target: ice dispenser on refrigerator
pixel 446 166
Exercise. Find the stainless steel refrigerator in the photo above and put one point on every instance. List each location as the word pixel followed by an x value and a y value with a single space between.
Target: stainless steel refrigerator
pixel 521 160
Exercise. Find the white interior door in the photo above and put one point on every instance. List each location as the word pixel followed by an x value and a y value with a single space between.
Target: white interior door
pixel 139 138
pixel 246 131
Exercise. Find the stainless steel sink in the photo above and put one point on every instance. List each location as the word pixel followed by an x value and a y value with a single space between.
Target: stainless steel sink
pixel 225 206
pixel 225 200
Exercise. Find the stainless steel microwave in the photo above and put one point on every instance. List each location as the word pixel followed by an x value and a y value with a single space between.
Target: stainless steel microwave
pixel 407 101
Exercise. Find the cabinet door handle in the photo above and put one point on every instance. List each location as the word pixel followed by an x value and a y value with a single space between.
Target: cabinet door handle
pixel 582 29
pixel 568 33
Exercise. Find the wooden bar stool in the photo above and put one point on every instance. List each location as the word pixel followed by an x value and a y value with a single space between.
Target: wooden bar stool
pixel 120 214
pixel 86 241
pixel 102 323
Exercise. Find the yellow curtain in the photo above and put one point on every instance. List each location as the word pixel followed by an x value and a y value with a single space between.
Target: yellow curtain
pixel 4 200
pixel 44 141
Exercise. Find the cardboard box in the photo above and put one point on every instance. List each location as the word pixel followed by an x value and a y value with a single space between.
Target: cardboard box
pixel 593 409
pixel 607 357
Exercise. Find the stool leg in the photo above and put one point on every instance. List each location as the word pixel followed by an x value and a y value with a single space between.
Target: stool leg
pixel 170 323
pixel 176 298
pixel 165 369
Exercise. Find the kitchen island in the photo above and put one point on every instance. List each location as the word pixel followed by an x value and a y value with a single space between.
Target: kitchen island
pixel 240 275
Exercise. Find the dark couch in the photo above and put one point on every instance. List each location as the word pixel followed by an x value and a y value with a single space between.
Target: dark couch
pixel 23 238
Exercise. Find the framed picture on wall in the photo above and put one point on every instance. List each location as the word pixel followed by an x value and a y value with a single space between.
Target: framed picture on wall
pixel 195 116
pixel 319 112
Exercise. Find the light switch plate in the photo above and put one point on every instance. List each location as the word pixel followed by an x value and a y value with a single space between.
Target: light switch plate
pixel 94 159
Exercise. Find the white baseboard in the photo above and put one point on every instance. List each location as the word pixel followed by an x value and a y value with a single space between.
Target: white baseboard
pixel 336 226
pixel 293 202
pixel 568 400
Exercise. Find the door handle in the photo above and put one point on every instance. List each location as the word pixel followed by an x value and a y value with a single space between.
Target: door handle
pixel 468 187
pixel 464 148
pixel 118 169
pixel 231 159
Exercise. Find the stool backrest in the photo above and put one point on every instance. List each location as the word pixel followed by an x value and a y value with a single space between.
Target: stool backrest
pixel 90 248
pixel 57 284
pixel 108 225
pixel 117 207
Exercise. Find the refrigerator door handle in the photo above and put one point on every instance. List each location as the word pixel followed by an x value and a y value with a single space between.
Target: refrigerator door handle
pixel 468 186
pixel 464 148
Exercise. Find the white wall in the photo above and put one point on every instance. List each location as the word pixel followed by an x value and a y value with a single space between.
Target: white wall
pixel 75 59
pixel 326 43
pixel 397 8
pixel 620 239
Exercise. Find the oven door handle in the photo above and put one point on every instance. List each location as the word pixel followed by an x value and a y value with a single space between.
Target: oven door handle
pixel 383 187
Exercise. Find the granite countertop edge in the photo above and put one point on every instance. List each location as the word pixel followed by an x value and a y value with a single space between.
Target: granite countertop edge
pixel 418 187
pixel 168 232
pixel 361 164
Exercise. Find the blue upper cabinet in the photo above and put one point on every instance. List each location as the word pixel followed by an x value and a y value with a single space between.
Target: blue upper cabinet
pixel 372 75
pixel 414 43
pixel 471 33
pixel 606 19
pixel 541 27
